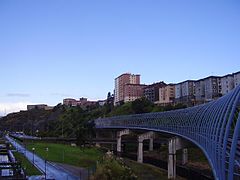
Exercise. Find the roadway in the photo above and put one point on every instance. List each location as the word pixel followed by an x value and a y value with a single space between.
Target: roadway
pixel 53 172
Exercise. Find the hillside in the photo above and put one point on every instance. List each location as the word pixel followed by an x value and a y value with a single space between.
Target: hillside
pixel 65 121
pixel 30 121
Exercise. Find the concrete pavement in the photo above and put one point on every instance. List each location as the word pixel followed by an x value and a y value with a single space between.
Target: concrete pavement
pixel 53 172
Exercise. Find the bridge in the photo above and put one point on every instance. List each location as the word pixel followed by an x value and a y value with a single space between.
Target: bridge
pixel 214 127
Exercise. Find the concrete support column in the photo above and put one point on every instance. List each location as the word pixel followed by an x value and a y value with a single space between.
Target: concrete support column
pixel 151 144
pixel 97 137
pixel 119 144
pixel 140 152
pixel 112 136
pixel 184 156
pixel 172 159
pixel 119 140
pixel 175 144
pixel 148 135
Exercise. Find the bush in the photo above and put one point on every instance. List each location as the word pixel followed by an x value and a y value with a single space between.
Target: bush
pixel 113 169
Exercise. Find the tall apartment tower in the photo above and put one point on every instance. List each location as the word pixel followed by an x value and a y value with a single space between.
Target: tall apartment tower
pixel 120 83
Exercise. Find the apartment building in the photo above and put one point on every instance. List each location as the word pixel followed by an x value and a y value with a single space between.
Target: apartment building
pixel 225 84
pixel 236 77
pixel 190 92
pixel 133 92
pixel 199 91
pixel 211 88
pixel 184 93
pixel 166 95
pixel 120 83
pixel 151 92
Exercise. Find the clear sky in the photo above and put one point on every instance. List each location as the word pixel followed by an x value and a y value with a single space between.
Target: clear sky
pixel 53 49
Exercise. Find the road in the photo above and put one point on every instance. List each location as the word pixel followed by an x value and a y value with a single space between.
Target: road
pixel 53 172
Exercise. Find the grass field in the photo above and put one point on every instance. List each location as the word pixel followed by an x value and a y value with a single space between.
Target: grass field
pixel 145 171
pixel 76 156
pixel 27 166
pixel 87 157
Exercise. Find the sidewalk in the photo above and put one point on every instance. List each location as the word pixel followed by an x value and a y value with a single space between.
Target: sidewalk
pixel 53 172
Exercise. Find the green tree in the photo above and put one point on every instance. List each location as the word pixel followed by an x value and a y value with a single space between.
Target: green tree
pixel 142 106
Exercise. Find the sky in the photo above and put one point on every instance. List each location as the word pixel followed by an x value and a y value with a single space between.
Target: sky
pixel 54 49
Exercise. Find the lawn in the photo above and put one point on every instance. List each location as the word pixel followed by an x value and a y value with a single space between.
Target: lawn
pixel 76 156
pixel 30 170
pixel 146 171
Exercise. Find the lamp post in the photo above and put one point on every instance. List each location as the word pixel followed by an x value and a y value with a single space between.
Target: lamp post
pixel 33 149
pixel 46 163
pixel 37 131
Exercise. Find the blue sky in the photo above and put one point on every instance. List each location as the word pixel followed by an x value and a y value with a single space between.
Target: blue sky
pixel 52 49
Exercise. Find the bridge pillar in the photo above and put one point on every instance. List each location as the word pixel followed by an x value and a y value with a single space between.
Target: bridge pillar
pixel 175 144
pixel 149 135
pixel 184 156
pixel 97 137
pixel 113 137
pixel 172 159
pixel 151 144
pixel 119 139
pixel 140 152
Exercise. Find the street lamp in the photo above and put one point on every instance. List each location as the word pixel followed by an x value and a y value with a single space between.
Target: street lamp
pixel 33 149
pixel 37 131
pixel 46 163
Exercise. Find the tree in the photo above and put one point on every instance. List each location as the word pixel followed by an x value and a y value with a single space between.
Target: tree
pixel 109 104
pixel 142 105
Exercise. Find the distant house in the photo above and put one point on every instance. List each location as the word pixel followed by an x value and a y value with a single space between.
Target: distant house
pixel 102 102
pixel 39 106
pixel 82 102
pixel 70 102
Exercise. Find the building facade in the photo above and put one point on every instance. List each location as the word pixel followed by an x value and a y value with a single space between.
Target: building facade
pixel 166 95
pixel 120 83
pixel 39 106
pixel 133 92
pixel 236 77
pixel 69 102
pixel 225 84
pixel 207 89
pixel 211 85
pixel 185 93
pixel 151 92
pixel 199 91
pixel 82 102
pixel 190 92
